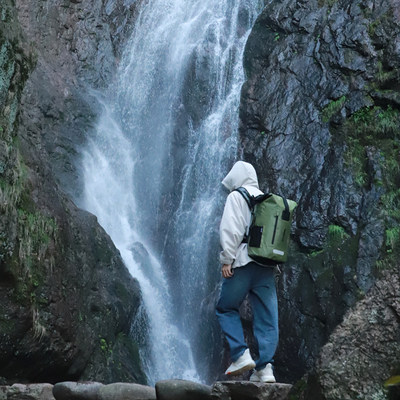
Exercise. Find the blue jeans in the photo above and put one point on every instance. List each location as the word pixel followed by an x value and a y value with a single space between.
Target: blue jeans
pixel 259 283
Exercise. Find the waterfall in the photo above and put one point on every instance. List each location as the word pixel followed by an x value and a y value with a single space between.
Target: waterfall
pixel 152 170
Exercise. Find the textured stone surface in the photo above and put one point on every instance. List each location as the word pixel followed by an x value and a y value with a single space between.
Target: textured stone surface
pixel 76 390
pixel 126 391
pixel 40 391
pixel 174 389
pixel 320 121
pixel 364 350
pixel 67 302
pixel 232 390
pixel 77 47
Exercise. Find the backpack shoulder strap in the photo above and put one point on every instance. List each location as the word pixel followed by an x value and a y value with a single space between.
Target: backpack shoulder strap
pixel 251 202
pixel 246 195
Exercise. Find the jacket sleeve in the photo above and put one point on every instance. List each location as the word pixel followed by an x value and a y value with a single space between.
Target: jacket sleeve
pixel 233 226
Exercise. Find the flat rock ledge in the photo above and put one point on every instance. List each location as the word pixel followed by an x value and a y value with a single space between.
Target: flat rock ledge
pixel 173 389
pixel 244 390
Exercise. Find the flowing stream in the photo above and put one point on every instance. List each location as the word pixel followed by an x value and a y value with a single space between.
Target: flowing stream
pixel 152 170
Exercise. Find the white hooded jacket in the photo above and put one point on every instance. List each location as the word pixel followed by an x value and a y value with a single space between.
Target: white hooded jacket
pixel 237 215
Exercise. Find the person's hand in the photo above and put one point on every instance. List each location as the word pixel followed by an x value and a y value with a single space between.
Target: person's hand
pixel 227 271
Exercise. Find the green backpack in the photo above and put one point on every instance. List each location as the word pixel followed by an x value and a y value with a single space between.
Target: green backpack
pixel 269 233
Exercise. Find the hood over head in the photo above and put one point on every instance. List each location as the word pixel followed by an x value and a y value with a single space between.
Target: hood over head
pixel 241 174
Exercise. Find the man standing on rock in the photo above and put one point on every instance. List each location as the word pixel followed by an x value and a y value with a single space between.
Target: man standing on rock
pixel 243 276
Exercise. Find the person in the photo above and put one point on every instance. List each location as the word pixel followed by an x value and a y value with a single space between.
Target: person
pixel 243 276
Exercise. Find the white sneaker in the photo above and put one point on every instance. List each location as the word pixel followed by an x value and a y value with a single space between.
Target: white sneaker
pixel 265 375
pixel 243 363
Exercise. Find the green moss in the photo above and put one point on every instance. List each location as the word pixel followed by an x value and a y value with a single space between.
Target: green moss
pixel 384 264
pixel 105 347
pixel 392 238
pixel 11 189
pixel 316 253
pixel 371 123
pixel 35 232
pixel 382 76
pixel 372 27
pixel 355 158
pixel 377 128
pixel 22 292
pixel 336 232
pixel 381 20
pixel 28 257
pixel 391 203
pixel 332 108
pixel 373 126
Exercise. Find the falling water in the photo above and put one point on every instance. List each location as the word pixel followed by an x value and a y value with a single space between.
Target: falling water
pixel 152 171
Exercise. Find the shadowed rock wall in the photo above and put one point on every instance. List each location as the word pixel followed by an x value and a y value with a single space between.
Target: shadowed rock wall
pixel 67 302
pixel 320 121
pixel 363 351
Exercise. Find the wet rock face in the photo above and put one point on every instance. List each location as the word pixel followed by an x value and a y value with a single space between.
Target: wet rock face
pixel 320 121
pixel 77 45
pixel 67 302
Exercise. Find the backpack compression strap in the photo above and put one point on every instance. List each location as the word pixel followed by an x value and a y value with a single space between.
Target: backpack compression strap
pixel 286 211
pixel 252 201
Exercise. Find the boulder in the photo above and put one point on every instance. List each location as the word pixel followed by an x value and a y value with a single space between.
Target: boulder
pixel 126 391
pixel 76 390
pixel 39 391
pixel 174 389
pixel 363 351
pixel 245 390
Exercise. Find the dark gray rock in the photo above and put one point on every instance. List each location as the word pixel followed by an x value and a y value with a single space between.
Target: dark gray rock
pixel 77 47
pixel 174 389
pixel 244 390
pixel 67 301
pixel 39 391
pixel 321 77
pixel 76 390
pixel 126 391
pixel 363 351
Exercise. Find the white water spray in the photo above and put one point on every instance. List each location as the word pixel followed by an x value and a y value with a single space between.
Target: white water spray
pixel 153 169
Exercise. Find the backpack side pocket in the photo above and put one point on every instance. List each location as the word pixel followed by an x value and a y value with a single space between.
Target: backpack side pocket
pixel 255 235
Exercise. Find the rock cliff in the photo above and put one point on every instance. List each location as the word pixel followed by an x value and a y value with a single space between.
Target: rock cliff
pixel 363 351
pixel 320 120
pixel 67 302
